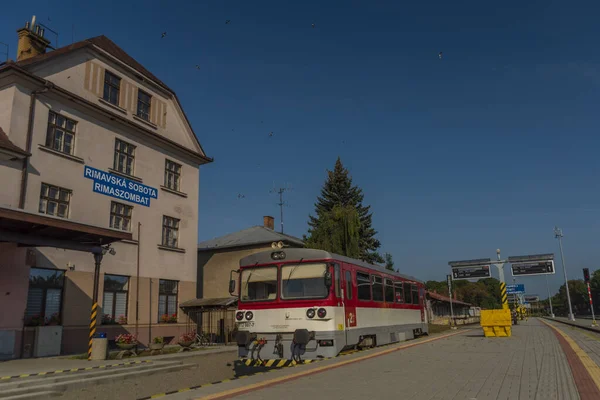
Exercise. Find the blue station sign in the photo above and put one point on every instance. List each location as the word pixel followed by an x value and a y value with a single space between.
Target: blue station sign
pixel 515 289
pixel 119 187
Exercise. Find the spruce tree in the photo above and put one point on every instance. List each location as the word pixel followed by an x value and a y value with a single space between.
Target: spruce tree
pixel 338 190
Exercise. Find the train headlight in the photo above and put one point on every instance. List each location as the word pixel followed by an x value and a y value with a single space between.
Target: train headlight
pixel 310 313
pixel 249 315
pixel 322 313
pixel 239 315
pixel 278 255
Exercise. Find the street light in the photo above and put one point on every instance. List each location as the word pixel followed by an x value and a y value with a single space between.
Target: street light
pixel 549 298
pixel 558 234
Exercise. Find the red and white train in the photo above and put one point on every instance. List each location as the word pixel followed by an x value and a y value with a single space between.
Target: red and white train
pixel 308 304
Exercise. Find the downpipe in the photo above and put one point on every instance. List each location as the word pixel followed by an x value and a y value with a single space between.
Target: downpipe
pixel 25 168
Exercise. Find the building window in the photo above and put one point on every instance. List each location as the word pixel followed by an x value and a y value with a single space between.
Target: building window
pixel 143 105
pixel 170 232
pixel 172 175
pixel 114 305
pixel 124 157
pixel 44 298
pixel 363 282
pixel 120 216
pixel 167 301
pixel 112 87
pixel 55 200
pixel 61 133
pixel 407 294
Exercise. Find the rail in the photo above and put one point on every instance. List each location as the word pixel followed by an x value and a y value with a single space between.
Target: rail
pixel 587 328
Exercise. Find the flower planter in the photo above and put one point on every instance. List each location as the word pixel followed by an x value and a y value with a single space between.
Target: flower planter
pixel 186 344
pixel 126 346
pixel 157 346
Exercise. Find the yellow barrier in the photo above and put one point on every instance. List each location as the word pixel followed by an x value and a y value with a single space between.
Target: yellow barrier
pixel 496 323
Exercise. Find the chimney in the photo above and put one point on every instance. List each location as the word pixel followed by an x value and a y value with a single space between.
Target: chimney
pixel 269 222
pixel 31 41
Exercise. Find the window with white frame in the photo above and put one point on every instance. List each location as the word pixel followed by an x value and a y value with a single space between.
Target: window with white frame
pixel 55 200
pixel 120 216
pixel 124 157
pixel 172 175
pixel 61 133
pixel 170 232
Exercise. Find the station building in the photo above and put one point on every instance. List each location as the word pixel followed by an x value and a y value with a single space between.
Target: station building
pixel 95 151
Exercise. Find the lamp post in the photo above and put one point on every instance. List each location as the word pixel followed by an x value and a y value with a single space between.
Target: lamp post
pixel 558 234
pixel 549 298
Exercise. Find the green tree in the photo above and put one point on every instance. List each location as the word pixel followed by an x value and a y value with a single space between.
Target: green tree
pixel 579 297
pixel 338 190
pixel 337 232
pixel 389 262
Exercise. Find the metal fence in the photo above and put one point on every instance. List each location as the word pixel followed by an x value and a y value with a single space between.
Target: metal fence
pixel 216 324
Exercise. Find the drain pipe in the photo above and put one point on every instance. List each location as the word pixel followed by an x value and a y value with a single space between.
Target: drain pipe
pixel 25 168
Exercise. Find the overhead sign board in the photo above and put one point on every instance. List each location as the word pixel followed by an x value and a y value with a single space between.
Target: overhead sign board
pixel 515 289
pixel 471 272
pixel 119 187
pixel 464 263
pixel 533 268
pixel 531 258
pixel 532 298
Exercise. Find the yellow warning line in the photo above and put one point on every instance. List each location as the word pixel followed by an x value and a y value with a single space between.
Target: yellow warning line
pixel 587 362
pixel 269 382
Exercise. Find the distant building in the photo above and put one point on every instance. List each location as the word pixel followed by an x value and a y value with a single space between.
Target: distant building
pixel 91 143
pixel 438 310
pixel 217 257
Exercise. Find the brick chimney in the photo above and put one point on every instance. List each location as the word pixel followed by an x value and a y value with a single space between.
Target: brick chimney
pixel 31 41
pixel 269 222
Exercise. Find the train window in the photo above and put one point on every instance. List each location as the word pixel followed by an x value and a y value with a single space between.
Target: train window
pixel 259 284
pixel 303 281
pixel 389 291
pixel 363 282
pixel 407 295
pixel 348 285
pixel 399 292
pixel 338 283
pixel 415 294
pixel 377 288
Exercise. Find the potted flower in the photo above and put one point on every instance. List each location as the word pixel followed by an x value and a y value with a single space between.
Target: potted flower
pixel 54 319
pixel 187 339
pixel 34 320
pixel 126 341
pixel 157 343
pixel 173 318
pixel 107 319
pixel 122 319
pixel 164 318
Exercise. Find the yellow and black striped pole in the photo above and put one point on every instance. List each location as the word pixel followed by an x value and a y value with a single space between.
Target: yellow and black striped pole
pixel 503 296
pixel 94 313
pixel 92 328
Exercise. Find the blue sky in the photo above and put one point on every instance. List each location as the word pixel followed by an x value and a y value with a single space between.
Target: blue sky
pixel 489 147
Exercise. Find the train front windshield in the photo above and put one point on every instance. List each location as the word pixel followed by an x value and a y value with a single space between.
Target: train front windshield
pixel 299 281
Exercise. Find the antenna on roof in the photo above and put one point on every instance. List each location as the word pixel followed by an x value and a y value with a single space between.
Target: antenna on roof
pixel 281 203
pixel 46 28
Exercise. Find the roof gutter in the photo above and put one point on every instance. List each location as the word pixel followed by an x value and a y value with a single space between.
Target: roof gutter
pixel 25 167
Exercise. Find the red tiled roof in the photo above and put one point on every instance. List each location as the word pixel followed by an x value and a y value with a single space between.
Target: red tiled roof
pixel 105 44
pixel 6 144
pixel 439 297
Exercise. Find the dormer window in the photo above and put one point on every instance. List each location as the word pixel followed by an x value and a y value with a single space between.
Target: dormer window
pixel 143 105
pixel 112 87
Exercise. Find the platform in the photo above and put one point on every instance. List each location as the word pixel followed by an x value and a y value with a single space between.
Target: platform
pixel 541 361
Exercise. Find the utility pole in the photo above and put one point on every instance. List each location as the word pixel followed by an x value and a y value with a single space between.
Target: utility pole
pixel 500 266
pixel 281 203
pixel 549 298
pixel 452 322
pixel 558 234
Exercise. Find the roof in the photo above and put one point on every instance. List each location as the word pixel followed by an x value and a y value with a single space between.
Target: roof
pixel 249 237
pixel 210 303
pixel 264 257
pixel 7 145
pixel 437 296
pixel 105 44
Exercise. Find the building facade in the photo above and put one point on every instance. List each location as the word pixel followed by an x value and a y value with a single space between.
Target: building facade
pixel 107 145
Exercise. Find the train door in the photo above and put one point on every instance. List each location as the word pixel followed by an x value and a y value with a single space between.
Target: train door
pixel 349 300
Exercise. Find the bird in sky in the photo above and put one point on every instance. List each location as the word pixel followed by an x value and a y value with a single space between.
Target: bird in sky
pixel 313 25
pixel 197 66
pixel 163 35
pixel 241 196
pixel 271 134
pixel 440 55
pixel 227 22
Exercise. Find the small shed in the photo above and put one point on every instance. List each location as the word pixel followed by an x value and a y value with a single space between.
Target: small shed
pixel 214 317
pixel 438 310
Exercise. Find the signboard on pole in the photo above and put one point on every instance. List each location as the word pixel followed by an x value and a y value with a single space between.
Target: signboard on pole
pixel 471 272
pixel 533 268
pixel 532 298
pixel 515 289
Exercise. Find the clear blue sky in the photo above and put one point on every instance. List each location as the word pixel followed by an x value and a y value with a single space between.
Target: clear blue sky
pixel 489 147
